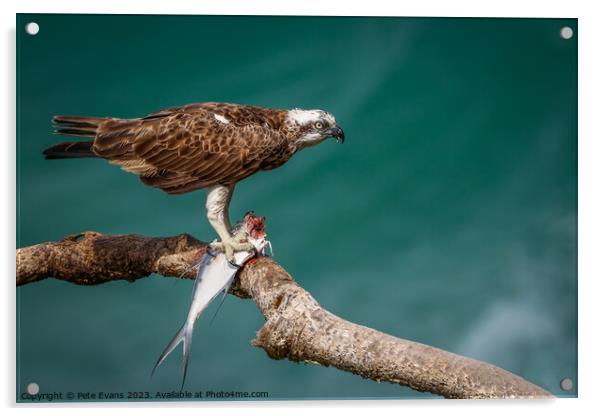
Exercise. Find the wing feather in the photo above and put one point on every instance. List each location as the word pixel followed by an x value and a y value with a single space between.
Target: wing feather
pixel 182 149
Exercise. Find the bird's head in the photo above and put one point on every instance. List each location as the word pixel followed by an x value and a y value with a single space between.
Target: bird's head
pixel 314 126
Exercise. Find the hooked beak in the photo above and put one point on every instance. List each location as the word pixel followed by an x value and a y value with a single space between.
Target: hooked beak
pixel 337 133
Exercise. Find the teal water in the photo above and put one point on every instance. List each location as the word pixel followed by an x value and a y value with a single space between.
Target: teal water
pixel 448 217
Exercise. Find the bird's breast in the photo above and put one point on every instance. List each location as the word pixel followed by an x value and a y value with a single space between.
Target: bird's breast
pixel 276 157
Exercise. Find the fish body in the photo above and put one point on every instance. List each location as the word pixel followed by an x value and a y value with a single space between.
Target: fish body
pixel 215 275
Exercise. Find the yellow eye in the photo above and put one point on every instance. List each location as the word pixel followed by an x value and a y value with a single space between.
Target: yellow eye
pixel 319 125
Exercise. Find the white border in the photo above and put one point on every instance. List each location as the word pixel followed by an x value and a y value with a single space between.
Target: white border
pixel 590 189
pixel 508 8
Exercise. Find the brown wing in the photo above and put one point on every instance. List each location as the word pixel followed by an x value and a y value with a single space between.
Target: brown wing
pixel 183 149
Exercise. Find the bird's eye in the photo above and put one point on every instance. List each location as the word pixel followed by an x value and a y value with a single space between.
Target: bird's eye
pixel 319 125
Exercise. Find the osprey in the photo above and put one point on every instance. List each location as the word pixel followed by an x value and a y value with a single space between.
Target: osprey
pixel 203 145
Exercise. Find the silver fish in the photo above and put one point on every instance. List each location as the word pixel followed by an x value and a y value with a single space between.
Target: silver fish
pixel 215 275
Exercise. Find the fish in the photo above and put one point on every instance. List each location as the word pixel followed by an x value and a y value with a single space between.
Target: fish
pixel 215 275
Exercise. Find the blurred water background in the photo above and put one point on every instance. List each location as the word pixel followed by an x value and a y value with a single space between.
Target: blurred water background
pixel 448 217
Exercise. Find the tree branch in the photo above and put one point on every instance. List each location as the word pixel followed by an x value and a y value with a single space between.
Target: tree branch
pixel 296 328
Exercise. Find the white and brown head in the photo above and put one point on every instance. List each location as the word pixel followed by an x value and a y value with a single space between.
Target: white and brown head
pixel 313 127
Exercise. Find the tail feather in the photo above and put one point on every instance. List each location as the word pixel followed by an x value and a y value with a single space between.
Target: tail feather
pixel 74 126
pixel 184 335
pixel 75 131
pixel 70 150
pixel 78 120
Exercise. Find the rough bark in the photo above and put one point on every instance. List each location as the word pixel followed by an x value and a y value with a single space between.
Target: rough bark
pixel 297 327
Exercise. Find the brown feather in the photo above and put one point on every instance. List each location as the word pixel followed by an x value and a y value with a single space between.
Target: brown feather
pixel 185 148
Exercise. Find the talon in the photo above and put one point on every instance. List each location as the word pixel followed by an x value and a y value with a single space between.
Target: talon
pixel 229 252
pixel 234 264
pixel 231 246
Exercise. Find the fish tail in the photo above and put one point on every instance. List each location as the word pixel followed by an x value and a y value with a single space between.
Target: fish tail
pixel 186 348
pixel 184 335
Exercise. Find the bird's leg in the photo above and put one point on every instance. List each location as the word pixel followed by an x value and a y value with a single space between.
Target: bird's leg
pixel 218 200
